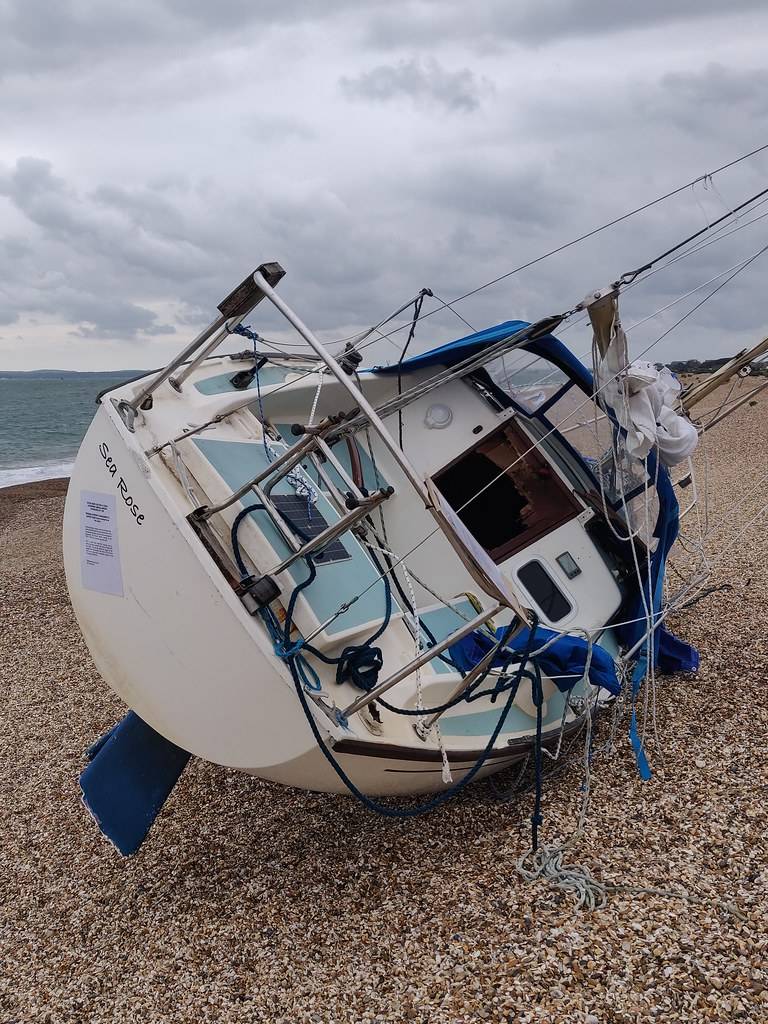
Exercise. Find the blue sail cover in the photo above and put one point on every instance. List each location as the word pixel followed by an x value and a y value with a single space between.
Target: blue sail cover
pixel 547 347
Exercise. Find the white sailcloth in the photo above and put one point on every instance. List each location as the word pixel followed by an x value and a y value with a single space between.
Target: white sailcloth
pixel 645 400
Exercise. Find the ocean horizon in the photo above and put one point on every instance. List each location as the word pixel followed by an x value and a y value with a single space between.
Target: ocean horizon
pixel 43 418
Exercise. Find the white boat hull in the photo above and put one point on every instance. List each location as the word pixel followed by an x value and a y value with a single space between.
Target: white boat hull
pixel 179 648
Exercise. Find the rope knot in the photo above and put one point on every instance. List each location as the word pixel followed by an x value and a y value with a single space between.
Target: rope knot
pixel 286 651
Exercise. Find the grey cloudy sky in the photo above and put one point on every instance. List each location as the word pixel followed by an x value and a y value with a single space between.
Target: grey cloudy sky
pixel 152 153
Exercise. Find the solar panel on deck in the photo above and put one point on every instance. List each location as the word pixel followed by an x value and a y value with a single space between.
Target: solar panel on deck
pixel 303 515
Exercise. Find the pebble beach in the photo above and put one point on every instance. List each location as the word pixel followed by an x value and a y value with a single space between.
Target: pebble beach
pixel 249 902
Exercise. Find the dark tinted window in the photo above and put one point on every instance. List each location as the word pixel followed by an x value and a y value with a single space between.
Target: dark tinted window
pixel 544 591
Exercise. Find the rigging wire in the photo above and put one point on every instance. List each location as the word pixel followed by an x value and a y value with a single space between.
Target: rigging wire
pixel 446 304
pixel 629 277
pixel 581 319
pixel 520 368
pixel 595 231
pixel 416 314
pixel 449 304
pixel 706 177
pixel 669 330
pixel 533 447
pixel 444 375
pixel 515 368
pixel 430 382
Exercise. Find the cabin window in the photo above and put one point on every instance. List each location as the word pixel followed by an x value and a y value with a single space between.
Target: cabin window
pixel 505 494
pixel 581 422
pixel 528 380
pixel 544 591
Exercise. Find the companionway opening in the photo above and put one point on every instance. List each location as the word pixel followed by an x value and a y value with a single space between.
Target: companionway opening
pixel 506 495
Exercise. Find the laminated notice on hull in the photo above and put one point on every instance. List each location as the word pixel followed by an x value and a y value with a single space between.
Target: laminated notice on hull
pixel 99 550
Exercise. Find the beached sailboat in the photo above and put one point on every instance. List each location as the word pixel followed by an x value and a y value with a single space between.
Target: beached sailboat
pixel 386 581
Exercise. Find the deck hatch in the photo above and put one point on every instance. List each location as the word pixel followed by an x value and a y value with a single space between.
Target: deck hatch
pixel 301 513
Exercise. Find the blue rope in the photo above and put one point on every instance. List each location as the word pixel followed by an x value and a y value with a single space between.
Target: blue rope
pixel 246 332
pixel 471 693
pixel 305 676
pixel 435 802
pixel 343 660
pixel 359 662
pixel 233 534
pixel 537 818
pixel 281 641
pixel 262 417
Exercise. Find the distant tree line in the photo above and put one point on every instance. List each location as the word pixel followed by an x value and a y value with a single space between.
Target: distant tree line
pixel 710 365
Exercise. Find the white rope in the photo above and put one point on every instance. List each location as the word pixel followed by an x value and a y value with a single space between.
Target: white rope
pixel 296 477
pixel 644 529
pixel 320 373
pixel 547 862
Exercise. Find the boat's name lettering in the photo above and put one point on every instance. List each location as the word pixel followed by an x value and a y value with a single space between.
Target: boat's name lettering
pixel 122 486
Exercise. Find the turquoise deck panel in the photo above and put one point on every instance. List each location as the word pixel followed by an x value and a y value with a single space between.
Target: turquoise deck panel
pixel 238 461
pixel 482 723
pixel 220 384
pixel 443 621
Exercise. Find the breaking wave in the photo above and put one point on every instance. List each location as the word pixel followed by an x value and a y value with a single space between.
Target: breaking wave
pixel 11 476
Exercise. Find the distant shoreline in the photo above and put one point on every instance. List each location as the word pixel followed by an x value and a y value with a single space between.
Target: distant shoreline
pixel 59 374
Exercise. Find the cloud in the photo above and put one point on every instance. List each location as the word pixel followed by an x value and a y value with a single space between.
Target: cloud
pixel 422 80
pixel 63 32
pixel 73 267
pixel 542 22
pixel 715 94
pixel 503 192
pixel 151 156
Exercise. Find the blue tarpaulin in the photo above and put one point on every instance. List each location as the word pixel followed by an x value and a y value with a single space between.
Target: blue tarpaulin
pixel 670 654
pixel 564 661
pixel 674 654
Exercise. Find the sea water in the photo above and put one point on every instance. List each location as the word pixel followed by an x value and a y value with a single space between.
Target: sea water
pixel 43 420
